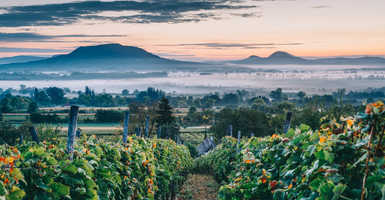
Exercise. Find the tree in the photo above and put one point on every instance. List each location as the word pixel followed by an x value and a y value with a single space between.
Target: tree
pixel 301 95
pixel 5 105
pixel 285 106
pixel 230 98
pixel 33 107
pixel 243 119
pixel 9 133
pixel 277 94
pixel 258 104
pixel 164 112
pixel 41 97
pixel 192 110
pixel 165 120
pixel 108 116
pixel 11 103
pixel 56 94
pixel 88 91
pixel 149 96
pixel 308 116
pixel 340 95
pixel 125 92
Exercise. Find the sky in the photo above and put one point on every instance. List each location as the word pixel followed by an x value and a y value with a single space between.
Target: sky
pixel 196 29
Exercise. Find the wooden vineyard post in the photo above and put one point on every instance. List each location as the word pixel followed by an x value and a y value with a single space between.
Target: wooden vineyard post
pixel 72 125
pixel 159 132
pixel 21 139
pixel 78 133
pixel 231 130
pixel 252 134
pixel 33 132
pixel 286 126
pixel 166 132
pixel 137 131
pixel 178 140
pixel 214 125
pixel 173 192
pixel 239 141
pixel 147 127
pixel 125 126
pixel 369 149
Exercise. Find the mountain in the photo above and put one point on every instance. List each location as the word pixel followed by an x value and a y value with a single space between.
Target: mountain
pixel 108 51
pixel 19 59
pixel 107 57
pixel 281 57
pixel 351 61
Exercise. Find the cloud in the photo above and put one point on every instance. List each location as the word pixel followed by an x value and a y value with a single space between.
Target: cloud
pixel 10 37
pixel 31 50
pixel 147 11
pixel 30 37
pixel 217 45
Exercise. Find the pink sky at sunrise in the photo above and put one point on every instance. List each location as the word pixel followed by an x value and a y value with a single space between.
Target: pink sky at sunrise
pixel 311 28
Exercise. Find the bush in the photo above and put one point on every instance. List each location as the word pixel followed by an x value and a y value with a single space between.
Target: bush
pixel 45 118
pixel 48 132
pixel 108 116
pixel 329 163
pixel 243 119
pixel 10 134
pixel 142 169
pixel 192 149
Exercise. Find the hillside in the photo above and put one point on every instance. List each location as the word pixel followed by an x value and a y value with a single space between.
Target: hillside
pixel 281 57
pixel 19 59
pixel 114 57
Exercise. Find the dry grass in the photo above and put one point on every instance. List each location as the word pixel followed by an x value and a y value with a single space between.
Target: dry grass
pixel 199 187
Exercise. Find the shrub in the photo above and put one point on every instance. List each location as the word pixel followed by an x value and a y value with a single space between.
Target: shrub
pixel 141 169
pixel 334 162
pixel 108 116
pixel 45 118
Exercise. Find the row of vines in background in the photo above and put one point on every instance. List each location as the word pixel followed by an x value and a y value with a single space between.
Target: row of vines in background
pixel 140 169
pixel 343 159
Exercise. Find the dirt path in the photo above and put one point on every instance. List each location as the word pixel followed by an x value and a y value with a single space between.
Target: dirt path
pixel 199 187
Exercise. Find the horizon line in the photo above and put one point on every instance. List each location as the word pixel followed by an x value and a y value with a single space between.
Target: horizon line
pixel 185 57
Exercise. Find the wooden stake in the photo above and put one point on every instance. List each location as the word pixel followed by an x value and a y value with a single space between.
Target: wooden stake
pixel 369 147
pixel 72 125
pixel 239 141
pixel 33 132
pixel 125 126
pixel 286 126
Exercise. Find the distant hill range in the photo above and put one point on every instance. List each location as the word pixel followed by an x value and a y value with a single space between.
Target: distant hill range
pixel 284 58
pixel 114 57
pixel 20 59
pixel 119 58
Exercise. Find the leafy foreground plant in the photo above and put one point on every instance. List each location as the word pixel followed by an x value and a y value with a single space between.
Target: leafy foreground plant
pixel 142 169
pixel 342 160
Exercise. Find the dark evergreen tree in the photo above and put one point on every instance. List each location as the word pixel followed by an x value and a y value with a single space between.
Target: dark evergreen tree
pixel 33 107
pixel 164 112
pixel 125 92
pixel 5 105
pixel 56 94
pixel 165 120
pixel 88 91
pixel 41 97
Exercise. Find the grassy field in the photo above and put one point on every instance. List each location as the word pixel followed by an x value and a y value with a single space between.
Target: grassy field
pixel 21 117
pixel 193 135
pixel 88 109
